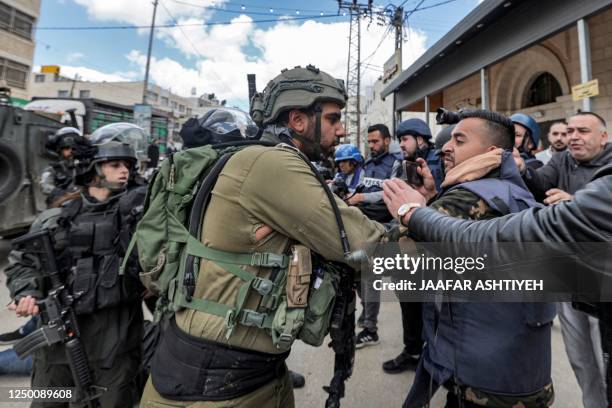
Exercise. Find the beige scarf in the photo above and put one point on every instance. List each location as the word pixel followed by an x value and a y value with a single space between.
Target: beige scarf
pixel 473 168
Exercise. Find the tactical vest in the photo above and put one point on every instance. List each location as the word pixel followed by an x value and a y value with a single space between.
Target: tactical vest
pixel 500 348
pixel 378 168
pixel 91 235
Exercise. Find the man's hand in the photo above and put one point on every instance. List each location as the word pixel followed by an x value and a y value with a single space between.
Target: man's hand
pixel 520 163
pixel 27 307
pixel 396 193
pixel 556 195
pixel 428 189
pixel 355 199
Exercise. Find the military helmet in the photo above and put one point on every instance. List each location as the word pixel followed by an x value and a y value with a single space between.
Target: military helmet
pixel 443 137
pixel 114 151
pixel 122 132
pixel 218 125
pixel 105 152
pixel 530 124
pixel 296 88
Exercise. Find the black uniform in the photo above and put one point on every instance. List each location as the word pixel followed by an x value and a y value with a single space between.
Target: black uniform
pixel 90 239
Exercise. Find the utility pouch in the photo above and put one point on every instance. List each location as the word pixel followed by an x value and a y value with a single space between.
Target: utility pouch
pixel 320 307
pixel 298 276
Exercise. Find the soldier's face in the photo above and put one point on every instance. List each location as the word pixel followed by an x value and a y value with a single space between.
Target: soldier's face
pixel 587 137
pixel 66 153
pixel 331 126
pixel 116 171
pixel 469 139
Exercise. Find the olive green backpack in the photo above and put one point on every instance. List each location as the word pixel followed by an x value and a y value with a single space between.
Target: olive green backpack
pixel 169 250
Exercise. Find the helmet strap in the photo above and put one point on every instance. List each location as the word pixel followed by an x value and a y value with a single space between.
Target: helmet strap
pixel 312 148
pixel 102 182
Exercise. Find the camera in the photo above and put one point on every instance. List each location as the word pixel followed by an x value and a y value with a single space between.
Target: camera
pixel 446 117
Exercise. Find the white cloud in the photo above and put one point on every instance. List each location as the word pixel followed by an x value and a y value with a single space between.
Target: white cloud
pixel 221 55
pixel 88 74
pixel 75 56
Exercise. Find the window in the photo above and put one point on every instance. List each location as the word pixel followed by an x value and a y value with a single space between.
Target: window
pixel 14 73
pixel 84 93
pixel 544 89
pixel 62 94
pixel 164 101
pixel 152 96
pixel 181 108
pixel 189 111
pixel 174 104
pixel 39 78
pixel 22 24
pixel 16 22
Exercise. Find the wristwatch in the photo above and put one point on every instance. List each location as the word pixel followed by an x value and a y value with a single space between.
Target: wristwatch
pixel 405 209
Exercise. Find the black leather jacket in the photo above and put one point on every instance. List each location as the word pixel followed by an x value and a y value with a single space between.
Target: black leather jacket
pixel 587 218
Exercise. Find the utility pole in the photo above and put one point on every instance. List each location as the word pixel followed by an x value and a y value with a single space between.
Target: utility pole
pixel 146 79
pixel 352 113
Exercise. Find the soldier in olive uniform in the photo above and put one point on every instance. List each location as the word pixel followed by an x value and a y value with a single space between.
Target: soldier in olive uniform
pixel 90 235
pixel 499 362
pixel 265 200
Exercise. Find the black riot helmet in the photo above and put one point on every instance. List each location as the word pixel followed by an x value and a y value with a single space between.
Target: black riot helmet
pixel 218 125
pixel 106 152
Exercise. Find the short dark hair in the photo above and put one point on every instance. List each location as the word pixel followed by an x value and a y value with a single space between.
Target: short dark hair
pixel 587 113
pixel 384 130
pixel 500 128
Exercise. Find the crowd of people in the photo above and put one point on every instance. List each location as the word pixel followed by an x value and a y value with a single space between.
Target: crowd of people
pixel 238 244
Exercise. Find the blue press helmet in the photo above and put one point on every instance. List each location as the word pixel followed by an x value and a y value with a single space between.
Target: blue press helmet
pixel 529 123
pixel 348 152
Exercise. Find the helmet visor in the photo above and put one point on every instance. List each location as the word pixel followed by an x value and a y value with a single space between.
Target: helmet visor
pixel 227 121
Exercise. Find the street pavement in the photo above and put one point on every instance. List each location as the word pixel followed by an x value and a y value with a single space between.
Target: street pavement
pixel 368 387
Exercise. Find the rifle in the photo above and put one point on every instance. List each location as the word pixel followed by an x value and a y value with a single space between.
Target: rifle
pixel 342 332
pixel 59 320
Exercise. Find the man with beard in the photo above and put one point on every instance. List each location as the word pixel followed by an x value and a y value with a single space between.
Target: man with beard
pixel 377 167
pixel 557 137
pixel 414 138
pixel 484 354
pixel 266 200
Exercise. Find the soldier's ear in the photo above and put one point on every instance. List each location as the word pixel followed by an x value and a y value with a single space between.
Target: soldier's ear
pixel 298 121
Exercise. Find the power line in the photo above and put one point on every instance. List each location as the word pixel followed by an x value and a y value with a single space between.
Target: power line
pixel 245 11
pixel 196 50
pixel 135 27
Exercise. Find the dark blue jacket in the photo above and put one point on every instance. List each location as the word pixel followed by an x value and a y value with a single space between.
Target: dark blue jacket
pixel 501 348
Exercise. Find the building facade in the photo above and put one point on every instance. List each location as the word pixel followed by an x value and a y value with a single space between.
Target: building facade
pixel 178 108
pixel 17 21
pixel 497 59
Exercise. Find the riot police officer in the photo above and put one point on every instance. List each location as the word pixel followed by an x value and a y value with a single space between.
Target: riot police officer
pixel 58 179
pixel 90 234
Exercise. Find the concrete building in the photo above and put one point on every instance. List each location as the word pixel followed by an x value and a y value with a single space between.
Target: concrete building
pixel 516 55
pixel 17 21
pixel 178 108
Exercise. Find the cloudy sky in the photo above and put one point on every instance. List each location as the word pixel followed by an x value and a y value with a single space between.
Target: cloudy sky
pixel 205 53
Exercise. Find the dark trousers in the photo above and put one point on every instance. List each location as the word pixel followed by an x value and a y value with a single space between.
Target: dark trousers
pixel 605 328
pixel 118 379
pixel 412 325
pixel 370 306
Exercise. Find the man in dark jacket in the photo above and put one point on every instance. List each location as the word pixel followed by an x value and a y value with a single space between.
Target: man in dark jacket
pixel 586 218
pixel 566 173
pixel 153 154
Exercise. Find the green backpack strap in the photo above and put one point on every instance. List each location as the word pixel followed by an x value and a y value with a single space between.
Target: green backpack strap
pixel 232 262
